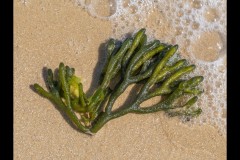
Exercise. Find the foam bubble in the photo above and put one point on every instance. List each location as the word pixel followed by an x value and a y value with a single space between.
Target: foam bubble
pixel 104 8
pixel 196 4
pixel 211 15
pixel 101 9
pixel 207 46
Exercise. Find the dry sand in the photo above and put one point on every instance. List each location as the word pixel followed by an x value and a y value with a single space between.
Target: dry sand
pixel 48 32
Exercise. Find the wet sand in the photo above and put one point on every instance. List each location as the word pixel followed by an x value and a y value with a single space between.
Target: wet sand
pixel 49 32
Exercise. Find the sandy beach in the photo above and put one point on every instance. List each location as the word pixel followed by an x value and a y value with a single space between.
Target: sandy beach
pixel 49 32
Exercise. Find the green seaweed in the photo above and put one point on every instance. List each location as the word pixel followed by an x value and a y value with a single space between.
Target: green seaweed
pixel 136 61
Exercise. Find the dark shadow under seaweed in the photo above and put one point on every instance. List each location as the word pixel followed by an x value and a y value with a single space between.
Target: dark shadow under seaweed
pixel 98 69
